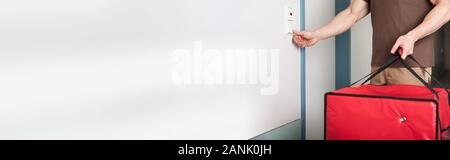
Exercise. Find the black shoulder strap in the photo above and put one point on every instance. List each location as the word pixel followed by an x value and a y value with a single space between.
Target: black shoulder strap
pixel 434 79
pixel 426 84
pixel 389 63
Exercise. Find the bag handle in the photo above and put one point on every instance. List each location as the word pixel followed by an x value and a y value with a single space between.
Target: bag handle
pixel 389 63
pixel 419 78
pixel 434 79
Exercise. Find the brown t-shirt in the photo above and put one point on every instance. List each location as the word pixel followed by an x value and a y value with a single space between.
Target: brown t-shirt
pixel 394 18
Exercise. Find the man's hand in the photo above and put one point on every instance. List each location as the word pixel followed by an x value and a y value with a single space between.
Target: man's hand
pixel 434 20
pixel 305 38
pixel 341 23
pixel 406 42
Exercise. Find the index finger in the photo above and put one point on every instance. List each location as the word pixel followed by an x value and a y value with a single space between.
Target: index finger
pixel 298 33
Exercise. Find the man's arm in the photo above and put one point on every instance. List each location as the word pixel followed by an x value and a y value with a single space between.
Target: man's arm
pixel 437 17
pixel 341 23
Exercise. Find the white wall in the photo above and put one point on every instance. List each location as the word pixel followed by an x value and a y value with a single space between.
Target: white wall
pixel 361 48
pixel 320 67
pixel 102 69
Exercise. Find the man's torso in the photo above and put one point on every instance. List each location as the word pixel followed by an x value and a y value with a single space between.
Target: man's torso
pixel 394 18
